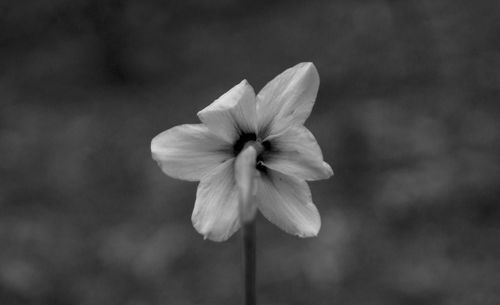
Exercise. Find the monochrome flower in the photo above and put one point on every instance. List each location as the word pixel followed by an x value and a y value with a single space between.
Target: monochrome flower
pixel 281 152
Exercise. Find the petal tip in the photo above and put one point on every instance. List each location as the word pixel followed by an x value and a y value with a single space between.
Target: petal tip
pixel 208 232
pixel 245 86
pixel 214 237
pixel 313 232
pixel 314 225
pixel 204 231
pixel 155 140
pixel 308 66
pixel 328 170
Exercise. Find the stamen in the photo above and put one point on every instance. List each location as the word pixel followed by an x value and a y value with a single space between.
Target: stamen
pixel 246 181
pixel 260 166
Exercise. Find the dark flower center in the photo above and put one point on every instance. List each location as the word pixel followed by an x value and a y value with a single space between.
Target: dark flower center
pixel 240 143
pixel 252 137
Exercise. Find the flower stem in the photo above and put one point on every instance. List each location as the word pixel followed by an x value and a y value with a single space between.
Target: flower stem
pixel 249 262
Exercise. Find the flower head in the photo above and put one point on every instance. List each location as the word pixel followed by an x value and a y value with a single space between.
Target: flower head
pixel 251 146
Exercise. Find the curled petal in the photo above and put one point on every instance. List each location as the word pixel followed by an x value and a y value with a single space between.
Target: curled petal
pixel 288 97
pixel 189 151
pixel 215 213
pixel 286 201
pixel 232 113
pixel 295 152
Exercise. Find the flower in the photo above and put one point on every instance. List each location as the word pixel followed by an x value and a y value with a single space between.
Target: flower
pixel 285 155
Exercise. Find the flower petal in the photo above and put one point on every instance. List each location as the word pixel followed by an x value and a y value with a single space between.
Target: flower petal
pixel 215 213
pixel 189 151
pixel 286 201
pixel 232 113
pixel 295 152
pixel 289 96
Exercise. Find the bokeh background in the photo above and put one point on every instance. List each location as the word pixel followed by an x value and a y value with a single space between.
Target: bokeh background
pixel 407 114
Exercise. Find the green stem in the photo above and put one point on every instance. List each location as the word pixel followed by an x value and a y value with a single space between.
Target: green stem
pixel 249 262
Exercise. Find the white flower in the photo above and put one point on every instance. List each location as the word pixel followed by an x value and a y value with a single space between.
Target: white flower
pixel 288 155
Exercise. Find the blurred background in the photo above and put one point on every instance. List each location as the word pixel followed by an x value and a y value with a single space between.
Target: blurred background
pixel 407 115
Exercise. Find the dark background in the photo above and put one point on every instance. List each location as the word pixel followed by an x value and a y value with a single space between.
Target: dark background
pixel 407 115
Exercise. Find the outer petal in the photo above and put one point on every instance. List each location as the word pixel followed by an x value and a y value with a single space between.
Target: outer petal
pixel 189 151
pixel 286 201
pixel 295 152
pixel 215 213
pixel 232 113
pixel 289 96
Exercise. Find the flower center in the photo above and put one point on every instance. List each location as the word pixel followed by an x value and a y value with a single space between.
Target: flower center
pixel 240 143
pixel 248 138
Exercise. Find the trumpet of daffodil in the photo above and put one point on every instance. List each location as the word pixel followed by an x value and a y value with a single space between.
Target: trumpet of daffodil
pixel 251 152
